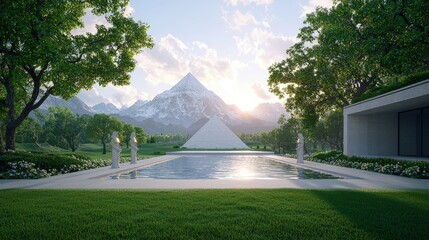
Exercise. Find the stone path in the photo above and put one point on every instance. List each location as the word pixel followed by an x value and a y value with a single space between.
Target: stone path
pixel 99 179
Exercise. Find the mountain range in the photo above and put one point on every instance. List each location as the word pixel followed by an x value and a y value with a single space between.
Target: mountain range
pixel 184 108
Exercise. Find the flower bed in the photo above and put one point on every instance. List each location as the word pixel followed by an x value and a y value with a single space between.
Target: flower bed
pixel 411 169
pixel 25 165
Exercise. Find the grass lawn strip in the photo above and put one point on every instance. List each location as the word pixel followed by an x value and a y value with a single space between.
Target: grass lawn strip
pixel 214 214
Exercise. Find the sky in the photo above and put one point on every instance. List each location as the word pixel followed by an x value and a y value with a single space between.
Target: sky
pixel 226 44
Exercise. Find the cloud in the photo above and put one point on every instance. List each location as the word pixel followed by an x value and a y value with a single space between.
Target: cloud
pixel 247 2
pixel 125 95
pixel 171 59
pixel 128 11
pixel 266 47
pixel 237 20
pixel 313 4
pixel 91 21
pixel 260 92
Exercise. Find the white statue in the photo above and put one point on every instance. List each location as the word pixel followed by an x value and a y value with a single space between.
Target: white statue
pixel 300 149
pixel 133 144
pixel 116 149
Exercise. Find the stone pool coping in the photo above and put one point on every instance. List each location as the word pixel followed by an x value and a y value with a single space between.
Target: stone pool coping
pixel 98 179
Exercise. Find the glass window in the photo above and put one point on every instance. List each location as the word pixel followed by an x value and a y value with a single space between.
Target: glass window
pixel 410 133
pixel 425 132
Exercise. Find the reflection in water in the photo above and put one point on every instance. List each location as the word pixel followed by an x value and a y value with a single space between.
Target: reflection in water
pixel 222 167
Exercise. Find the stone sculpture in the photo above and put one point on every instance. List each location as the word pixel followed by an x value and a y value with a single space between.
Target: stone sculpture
pixel 300 149
pixel 116 149
pixel 133 144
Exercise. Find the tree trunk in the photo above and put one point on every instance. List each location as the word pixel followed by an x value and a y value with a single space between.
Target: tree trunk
pixel 104 146
pixel 10 137
pixel 14 120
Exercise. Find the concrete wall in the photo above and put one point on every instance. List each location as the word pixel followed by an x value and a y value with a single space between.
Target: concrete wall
pixel 375 134
pixel 371 126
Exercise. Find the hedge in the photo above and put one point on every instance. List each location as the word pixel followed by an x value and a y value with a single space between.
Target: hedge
pixel 413 169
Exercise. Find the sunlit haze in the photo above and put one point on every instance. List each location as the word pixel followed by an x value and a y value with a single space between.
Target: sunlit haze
pixel 227 45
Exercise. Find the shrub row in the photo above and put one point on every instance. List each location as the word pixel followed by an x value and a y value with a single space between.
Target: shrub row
pixel 26 165
pixel 411 169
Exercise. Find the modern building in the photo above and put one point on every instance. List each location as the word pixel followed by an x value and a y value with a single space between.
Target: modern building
pixel 215 135
pixel 393 124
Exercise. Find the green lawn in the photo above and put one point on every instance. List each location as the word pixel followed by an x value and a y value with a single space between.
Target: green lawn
pixel 95 151
pixel 214 214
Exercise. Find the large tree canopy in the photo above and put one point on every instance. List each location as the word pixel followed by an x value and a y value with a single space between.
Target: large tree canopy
pixel 40 56
pixel 344 51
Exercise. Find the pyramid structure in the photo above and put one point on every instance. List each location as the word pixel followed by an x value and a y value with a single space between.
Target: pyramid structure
pixel 215 135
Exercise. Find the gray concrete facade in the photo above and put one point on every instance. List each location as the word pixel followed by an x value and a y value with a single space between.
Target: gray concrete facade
pixel 371 126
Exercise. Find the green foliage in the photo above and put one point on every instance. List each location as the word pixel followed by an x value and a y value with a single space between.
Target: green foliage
pixel 29 131
pixel 128 129
pixel 282 138
pixel 140 135
pixel 64 128
pixel 166 138
pixel 403 82
pixel 329 129
pixel 40 54
pixel 347 50
pixel 41 160
pixel 213 214
pixel 101 126
pixel 412 169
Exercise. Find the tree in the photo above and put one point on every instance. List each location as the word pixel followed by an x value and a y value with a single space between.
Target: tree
pixel 140 135
pixel 349 49
pixel 65 127
pixel 127 130
pixel 101 126
pixel 287 133
pixel 30 131
pixel 330 129
pixel 40 55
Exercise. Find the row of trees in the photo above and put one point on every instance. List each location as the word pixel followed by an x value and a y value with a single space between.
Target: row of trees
pixel 64 129
pixel 168 138
pixel 328 133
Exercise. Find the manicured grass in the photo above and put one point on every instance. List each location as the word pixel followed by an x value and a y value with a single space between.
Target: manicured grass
pixel 213 214
pixel 95 151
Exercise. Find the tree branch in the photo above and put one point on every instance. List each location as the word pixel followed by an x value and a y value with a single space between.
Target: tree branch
pixel 76 60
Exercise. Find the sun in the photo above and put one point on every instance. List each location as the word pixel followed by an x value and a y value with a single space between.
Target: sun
pixel 246 102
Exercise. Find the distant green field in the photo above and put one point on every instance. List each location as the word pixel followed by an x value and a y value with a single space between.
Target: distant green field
pixel 95 150
pixel 214 214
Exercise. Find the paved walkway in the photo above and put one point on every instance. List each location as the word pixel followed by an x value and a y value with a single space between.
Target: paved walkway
pixel 99 179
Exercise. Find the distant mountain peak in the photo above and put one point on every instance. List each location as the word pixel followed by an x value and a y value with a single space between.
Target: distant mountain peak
pixel 188 83
pixel 108 108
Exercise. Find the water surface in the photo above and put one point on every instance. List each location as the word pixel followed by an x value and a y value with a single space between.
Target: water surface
pixel 222 167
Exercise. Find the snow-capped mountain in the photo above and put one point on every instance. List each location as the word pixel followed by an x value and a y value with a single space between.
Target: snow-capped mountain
pixel 185 103
pixel 133 108
pixel 184 109
pixel 74 104
pixel 106 108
